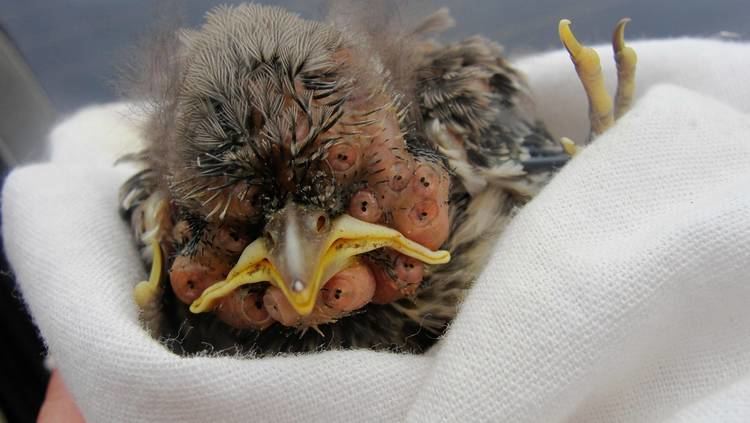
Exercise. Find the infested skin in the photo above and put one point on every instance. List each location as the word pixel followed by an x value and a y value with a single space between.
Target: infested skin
pixel 403 279
pixel 345 292
pixel 191 276
pixel 238 210
pixel 349 289
pixel 403 192
pixel 399 190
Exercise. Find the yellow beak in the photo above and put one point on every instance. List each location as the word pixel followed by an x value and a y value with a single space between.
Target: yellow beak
pixel 347 238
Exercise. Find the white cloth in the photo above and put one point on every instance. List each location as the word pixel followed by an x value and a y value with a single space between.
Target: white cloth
pixel 621 293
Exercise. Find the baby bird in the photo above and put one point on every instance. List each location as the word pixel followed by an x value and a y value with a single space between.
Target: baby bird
pixel 308 186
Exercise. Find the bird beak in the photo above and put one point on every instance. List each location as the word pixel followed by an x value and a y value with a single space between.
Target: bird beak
pixel 301 251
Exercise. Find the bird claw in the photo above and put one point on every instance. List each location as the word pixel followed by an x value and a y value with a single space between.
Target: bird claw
pixel 602 111
pixel 569 146
pixel 626 59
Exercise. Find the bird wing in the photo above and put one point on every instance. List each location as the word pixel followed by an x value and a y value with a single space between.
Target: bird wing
pixel 478 111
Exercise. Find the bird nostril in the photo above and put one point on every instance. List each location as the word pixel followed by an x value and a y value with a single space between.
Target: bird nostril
pixel 321 223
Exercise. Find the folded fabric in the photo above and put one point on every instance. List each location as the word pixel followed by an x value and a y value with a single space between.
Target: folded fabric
pixel 621 293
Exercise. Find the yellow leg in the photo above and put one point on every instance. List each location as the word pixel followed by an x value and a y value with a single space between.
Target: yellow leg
pixel 626 60
pixel 146 292
pixel 586 61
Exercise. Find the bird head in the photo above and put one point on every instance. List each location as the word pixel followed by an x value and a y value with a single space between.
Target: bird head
pixel 289 135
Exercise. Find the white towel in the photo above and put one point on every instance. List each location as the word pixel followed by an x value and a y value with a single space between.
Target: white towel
pixel 621 293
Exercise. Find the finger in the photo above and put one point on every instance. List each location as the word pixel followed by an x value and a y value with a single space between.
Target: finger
pixel 58 405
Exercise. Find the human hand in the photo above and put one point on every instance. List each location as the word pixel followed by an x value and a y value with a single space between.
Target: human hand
pixel 58 405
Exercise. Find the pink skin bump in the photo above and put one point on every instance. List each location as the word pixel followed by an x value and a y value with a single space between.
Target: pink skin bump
pixel 400 175
pixel 426 181
pixel 349 289
pixel 189 277
pixel 409 270
pixel 364 206
pixel 279 308
pixel 408 274
pixel 386 290
pixel 342 157
pixel 244 310
pixel 231 242
pixel 427 223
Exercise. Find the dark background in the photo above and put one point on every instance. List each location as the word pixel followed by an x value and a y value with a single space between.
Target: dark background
pixel 59 55
pixel 72 45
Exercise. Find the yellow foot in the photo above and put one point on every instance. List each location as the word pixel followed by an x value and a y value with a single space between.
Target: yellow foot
pixel 602 111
